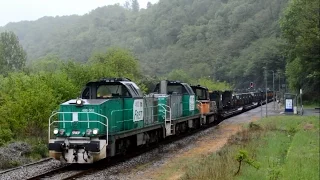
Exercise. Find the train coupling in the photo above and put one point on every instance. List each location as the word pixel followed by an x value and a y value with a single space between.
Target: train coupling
pixel 77 151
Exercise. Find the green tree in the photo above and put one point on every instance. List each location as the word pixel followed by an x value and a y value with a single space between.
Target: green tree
pixel 127 4
pixel 27 102
pixel 118 62
pixel 300 28
pixel 179 75
pixel 49 63
pixel 149 5
pixel 12 55
pixel 135 5
pixel 213 85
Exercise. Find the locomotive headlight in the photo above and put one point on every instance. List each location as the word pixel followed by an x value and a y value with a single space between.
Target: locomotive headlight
pixel 95 131
pixel 55 131
pixel 61 131
pixel 89 131
pixel 79 102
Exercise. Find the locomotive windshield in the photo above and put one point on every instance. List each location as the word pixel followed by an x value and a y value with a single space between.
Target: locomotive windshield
pixel 109 91
pixel 176 88
pixel 98 90
pixel 201 94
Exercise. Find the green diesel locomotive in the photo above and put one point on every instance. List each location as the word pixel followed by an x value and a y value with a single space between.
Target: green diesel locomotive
pixel 112 116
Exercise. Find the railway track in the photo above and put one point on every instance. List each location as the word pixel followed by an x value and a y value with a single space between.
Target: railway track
pixel 75 171
pixel 50 173
pixel 26 165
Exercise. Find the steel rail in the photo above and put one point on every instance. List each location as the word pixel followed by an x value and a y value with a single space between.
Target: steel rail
pixel 26 165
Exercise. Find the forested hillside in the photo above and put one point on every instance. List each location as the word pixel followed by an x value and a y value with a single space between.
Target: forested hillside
pixel 229 40
pixel 214 43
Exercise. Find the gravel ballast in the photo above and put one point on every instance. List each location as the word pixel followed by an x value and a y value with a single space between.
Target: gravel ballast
pixel 30 171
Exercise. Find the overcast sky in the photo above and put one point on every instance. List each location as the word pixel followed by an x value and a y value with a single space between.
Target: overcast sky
pixel 18 10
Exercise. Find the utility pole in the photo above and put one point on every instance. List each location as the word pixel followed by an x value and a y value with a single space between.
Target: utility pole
pixel 279 80
pixel 279 94
pixel 274 103
pixel 265 76
pixel 261 109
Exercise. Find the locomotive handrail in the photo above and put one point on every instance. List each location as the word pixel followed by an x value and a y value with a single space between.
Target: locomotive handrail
pixel 119 110
pixel 125 120
pixel 200 106
pixel 164 106
pixel 88 121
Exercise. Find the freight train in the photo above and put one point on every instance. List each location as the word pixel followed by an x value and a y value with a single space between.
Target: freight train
pixel 112 116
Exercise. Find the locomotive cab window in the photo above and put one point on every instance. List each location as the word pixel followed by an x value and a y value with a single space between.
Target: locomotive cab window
pixel 201 94
pixel 112 91
pixel 176 89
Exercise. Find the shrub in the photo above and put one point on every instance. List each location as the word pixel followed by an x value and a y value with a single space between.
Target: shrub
pixel 243 156
pixel 40 150
pixel 14 154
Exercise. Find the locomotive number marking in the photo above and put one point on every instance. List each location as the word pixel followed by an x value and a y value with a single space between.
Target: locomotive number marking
pixel 137 114
pixel 191 103
pixel 138 110
pixel 87 110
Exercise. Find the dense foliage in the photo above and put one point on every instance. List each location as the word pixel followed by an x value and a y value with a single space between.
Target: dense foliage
pixel 300 27
pixel 28 98
pixel 203 81
pixel 12 55
pixel 228 40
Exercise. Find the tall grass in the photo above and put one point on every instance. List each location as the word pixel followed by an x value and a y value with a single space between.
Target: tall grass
pixel 285 147
pixel 302 160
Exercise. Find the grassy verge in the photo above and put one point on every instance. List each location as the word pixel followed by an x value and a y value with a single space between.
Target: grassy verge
pixel 311 104
pixel 285 147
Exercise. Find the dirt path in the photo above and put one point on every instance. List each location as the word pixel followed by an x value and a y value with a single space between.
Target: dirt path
pixel 204 146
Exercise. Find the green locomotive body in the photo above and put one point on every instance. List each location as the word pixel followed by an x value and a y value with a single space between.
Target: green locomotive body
pixel 112 116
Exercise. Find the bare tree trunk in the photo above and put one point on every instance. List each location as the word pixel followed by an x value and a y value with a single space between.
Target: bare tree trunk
pixel 238 168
